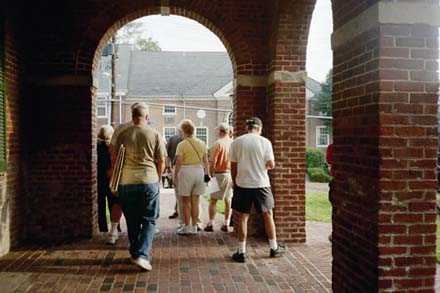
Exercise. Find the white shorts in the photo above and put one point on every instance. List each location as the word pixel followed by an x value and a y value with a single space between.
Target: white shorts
pixel 224 181
pixel 190 180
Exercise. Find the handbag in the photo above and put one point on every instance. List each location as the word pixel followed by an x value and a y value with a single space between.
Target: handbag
pixel 117 171
pixel 206 177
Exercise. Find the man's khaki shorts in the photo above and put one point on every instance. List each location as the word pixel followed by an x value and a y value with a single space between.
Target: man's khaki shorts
pixel 224 181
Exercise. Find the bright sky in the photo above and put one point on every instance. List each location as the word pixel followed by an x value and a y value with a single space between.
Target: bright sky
pixel 175 33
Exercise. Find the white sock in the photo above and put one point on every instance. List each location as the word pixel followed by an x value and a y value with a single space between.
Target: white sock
pixel 242 247
pixel 273 243
pixel 227 222
pixel 210 223
pixel 114 228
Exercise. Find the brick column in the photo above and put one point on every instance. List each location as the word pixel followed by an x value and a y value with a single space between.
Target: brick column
pixel 385 149
pixel 250 101
pixel 285 123
pixel 61 181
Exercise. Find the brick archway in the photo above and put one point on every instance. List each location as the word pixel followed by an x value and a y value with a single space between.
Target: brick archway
pixel 385 108
pixel 148 11
pixel 103 27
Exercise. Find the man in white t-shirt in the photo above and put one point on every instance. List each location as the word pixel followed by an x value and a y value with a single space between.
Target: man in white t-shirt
pixel 251 156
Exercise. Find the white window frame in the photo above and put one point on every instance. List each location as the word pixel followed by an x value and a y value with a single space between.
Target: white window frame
pixel 230 118
pixel 102 100
pixel 318 136
pixel 167 128
pixel 207 133
pixel 169 113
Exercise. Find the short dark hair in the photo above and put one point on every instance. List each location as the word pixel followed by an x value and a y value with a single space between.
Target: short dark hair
pixel 139 111
pixel 254 123
pixel 252 127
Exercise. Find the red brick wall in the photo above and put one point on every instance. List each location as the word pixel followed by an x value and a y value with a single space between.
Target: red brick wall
pixel 408 145
pixel 356 164
pixel 65 41
pixel 61 186
pixel 385 151
pixel 286 112
pixel 12 200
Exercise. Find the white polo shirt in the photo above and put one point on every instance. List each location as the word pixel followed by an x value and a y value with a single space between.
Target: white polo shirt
pixel 251 152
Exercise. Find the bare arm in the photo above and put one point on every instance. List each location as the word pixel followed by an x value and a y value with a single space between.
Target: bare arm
pixel 270 165
pixel 234 172
pixel 206 164
pixel 159 167
pixel 177 167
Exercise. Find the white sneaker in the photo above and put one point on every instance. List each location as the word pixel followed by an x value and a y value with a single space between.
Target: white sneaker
pixel 193 230
pixel 185 230
pixel 112 238
pixel 143 263
pixel 156 231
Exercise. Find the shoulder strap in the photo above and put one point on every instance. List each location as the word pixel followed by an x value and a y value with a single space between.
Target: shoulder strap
pixel 195 150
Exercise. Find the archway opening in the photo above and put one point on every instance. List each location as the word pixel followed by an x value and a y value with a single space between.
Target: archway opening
pixel 319 124
pixel 177 66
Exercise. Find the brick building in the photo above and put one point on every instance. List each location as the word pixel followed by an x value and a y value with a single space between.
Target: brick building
pixel 385 85
pixel 318 134
pixel 175 85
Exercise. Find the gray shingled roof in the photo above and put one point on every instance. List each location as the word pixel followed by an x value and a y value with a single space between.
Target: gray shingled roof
pixel 172 74
pixel 175 74
pixel 313 86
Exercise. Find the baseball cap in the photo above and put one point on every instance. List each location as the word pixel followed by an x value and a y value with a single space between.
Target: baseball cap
pixel 223 126
pixel 254 121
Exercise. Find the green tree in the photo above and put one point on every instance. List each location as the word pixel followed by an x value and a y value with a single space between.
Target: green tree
pixel 147 44
pixel 132 33
pixel 129 33
pixel 323 101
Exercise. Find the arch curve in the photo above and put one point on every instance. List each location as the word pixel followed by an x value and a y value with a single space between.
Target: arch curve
pixel 110 20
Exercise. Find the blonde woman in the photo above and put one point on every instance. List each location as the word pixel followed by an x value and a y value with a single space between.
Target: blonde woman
pixel 190 169
pixel 104 166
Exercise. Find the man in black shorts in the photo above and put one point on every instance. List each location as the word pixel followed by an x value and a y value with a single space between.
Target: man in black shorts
pixel 251 155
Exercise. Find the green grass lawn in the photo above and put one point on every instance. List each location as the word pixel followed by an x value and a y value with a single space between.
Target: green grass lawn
pixel 318 207
pixel 220 204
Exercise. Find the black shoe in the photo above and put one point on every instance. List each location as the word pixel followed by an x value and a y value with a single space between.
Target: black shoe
pixel 209 228
pixel 173 216
pixel 239 257
pixel 281 249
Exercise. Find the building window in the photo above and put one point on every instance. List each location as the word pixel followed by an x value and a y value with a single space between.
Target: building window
pixel 169 110
pixel 169 132
pixel 168 119
pixel 202 134
pixel 102 107
pixel 230 118
pixel 322 136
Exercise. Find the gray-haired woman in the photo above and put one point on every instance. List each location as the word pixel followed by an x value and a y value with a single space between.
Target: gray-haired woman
pixel 191 167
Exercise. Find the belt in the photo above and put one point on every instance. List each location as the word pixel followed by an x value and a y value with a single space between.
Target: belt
pixel 222 172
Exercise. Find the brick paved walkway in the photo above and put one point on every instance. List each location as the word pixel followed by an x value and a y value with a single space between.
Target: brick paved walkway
pixel 180 264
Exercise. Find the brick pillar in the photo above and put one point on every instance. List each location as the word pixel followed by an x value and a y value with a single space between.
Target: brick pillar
pixel 385 149
pixel 285 125
pixel 61 187
pixel 249 101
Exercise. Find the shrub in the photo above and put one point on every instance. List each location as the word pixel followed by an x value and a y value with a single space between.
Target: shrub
pixel 314 158
pixel 318 175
